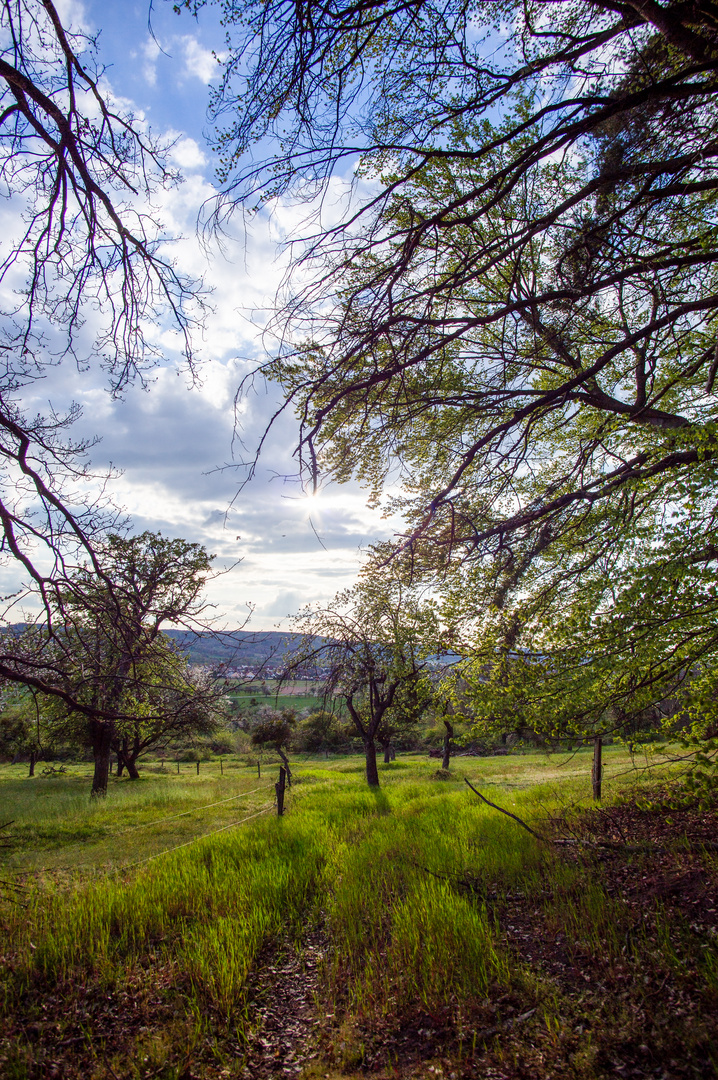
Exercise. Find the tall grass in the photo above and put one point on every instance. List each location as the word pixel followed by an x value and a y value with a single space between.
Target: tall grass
pixel 402 880
pixel 361 858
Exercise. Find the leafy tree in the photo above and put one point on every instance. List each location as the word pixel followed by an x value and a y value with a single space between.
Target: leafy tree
pixel 517 319
pixel 320 732
pixel 534 281
pixel 20 727
pixel 173 702
pixel 118 679
pixel 275 729
pixel 373 644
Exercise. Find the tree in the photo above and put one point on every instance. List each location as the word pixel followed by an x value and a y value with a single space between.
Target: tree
pixel 320 732
pixel 373 645
pixel 20 727
pixel 84 171
pixel 516 316
pixel 80 171
pixel 171 702
pixel 116 675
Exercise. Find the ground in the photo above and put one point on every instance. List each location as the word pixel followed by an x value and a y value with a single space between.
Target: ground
pixel 410 933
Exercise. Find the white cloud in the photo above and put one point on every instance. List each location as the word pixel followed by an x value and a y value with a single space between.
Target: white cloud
pixel 73 15
pixel 150 52
pixel 172 442
pixel 187 154
pixel 199 62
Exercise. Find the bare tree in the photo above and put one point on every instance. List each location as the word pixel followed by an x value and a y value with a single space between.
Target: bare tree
pixel 80 173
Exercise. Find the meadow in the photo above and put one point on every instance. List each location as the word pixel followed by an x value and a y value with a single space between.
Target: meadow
pixel 297 694
pixel 179 929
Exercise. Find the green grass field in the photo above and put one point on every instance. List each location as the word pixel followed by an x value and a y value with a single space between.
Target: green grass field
pixel 295 695
pixel 365 931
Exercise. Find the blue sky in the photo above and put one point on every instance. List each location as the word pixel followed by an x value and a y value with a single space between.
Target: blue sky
pixel 176 444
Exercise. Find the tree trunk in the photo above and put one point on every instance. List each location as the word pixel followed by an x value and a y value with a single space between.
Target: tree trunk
pixel 279 790
pixel 101 733
pixel 597 769
pixel 387 754
pixel 120 763
pixel 132 768
pixel 33 759
pixel 372 772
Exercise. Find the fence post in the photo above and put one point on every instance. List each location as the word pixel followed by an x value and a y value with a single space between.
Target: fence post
pixel 221 767
pixel 279 788
pixel 178 766
pixel 597 770
pixel 197 768
pixel 259 770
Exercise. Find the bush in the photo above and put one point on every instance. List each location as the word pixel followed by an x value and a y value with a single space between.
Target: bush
pixel 319 733
pixel 223 744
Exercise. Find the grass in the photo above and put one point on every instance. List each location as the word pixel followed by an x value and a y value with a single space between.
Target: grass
pixel 142 961
pixel 294 694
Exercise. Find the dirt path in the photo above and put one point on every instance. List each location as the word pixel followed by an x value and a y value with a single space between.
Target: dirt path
pixel 283 1011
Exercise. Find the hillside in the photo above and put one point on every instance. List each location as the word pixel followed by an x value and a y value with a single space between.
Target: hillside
pixel 238 647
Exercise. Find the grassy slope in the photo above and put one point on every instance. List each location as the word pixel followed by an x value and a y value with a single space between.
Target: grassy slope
pixel 414 898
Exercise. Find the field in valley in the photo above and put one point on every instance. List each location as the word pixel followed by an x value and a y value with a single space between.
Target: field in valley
pixel 179 929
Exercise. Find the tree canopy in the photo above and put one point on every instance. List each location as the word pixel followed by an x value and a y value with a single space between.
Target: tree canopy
pixel 373 647
pixel 515 317
pixel 118 682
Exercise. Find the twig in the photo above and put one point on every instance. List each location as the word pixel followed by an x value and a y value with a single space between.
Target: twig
pixel 464 883
pixel 509 814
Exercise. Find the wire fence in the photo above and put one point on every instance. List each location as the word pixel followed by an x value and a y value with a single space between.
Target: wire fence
pixel 204 836
pixel 194 810
pixel 175 847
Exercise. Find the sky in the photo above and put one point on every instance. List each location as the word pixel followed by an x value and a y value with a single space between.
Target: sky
pixel 179 447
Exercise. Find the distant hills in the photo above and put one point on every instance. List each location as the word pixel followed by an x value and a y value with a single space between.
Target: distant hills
pixel 269 648
pixel 236 648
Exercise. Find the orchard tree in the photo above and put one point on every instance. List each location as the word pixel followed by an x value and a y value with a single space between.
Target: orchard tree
pixel 521 311
pixel 320 732
pixel 21 726
pixel 275 729
pixel 515 318
pixel 117 675
pixel 373 644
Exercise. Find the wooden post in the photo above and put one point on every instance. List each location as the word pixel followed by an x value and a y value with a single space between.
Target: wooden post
pixel 446 760
pixel 597 770
pixel 178 766
pixel 221 767
pixel 259 770
pixel 197 768
pixel 279 788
